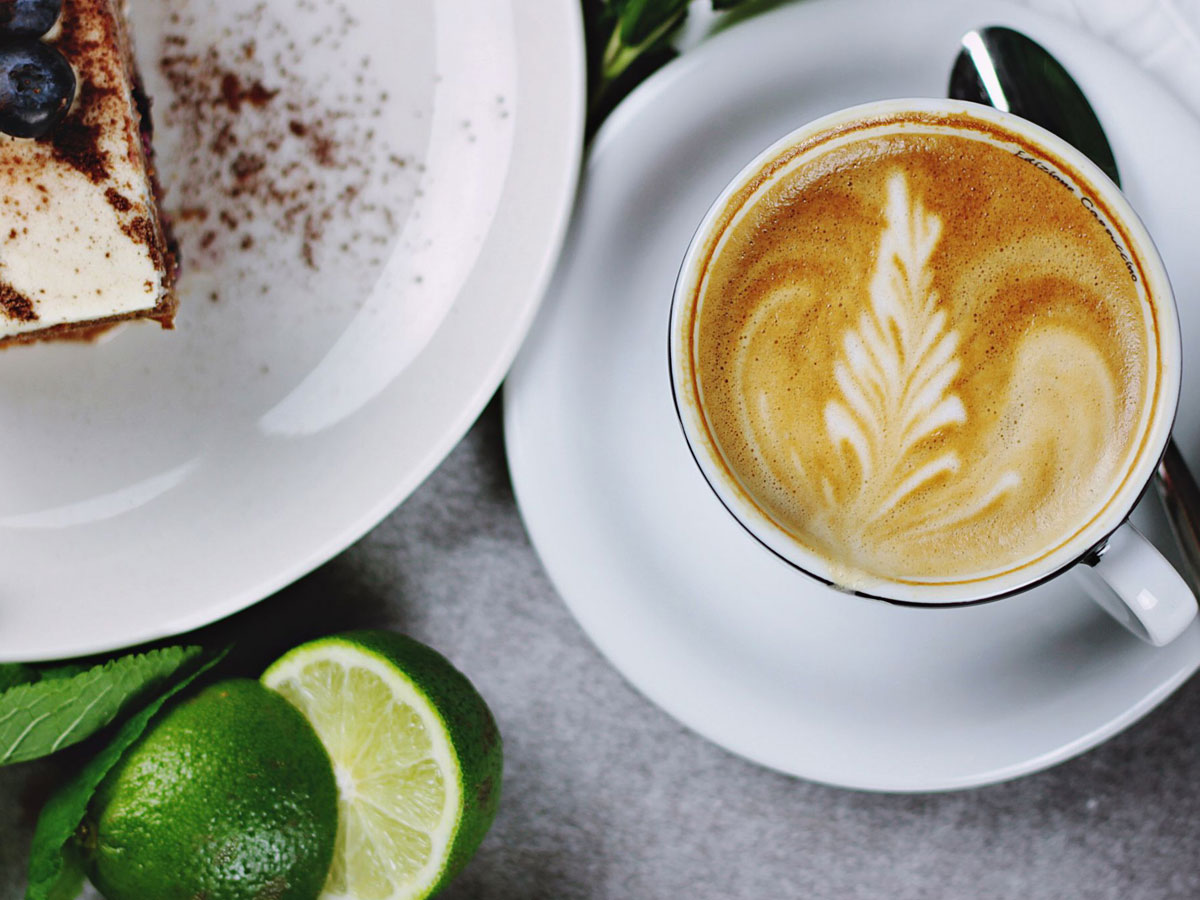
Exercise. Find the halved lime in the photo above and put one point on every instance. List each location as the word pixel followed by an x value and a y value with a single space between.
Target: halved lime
pixel 416 754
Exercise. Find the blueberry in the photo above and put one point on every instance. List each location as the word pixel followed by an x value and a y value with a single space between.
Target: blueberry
pixel 37 85
pixel 33 17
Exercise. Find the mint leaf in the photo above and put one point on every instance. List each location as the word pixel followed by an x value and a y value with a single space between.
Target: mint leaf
pixel 70 878
pixel 55 868
pixel 15 674
pixel 39 718
pixel 62 670
pixel 12 674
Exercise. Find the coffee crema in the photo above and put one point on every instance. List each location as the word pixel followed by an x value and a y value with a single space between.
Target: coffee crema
pixel 925 353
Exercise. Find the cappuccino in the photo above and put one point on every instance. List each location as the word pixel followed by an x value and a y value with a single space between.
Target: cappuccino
pixel 923 348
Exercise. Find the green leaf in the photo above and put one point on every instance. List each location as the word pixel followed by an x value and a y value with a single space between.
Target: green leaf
pixel 55 868
pixel 70 878
pixel 62 670
pixel 13 674
pixel 642 21
pixel 39 718
pixel 629 39
pixel 626 40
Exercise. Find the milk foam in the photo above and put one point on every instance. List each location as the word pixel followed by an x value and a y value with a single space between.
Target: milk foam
pixel 923 359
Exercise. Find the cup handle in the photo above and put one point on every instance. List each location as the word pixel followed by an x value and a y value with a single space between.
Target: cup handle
pixel 1132 581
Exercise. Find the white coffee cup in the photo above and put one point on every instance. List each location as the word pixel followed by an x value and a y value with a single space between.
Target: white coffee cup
pixel 1121 570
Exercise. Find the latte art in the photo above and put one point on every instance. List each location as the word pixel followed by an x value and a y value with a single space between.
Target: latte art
pixel 923 357
pixel 896 369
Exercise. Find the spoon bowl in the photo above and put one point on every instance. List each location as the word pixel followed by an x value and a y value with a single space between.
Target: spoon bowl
pixel 1003 68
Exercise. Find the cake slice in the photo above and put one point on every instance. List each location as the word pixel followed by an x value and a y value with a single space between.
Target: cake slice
pixel 82 245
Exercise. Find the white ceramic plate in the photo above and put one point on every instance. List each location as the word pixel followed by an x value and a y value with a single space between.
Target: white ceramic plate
pixel 697 615
pixel 160 480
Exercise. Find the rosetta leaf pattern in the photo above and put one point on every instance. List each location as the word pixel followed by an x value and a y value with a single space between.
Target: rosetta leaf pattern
pixel 897 366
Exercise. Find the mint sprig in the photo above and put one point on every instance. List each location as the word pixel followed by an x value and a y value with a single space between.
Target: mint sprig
pixel 64 706
pixel 55 859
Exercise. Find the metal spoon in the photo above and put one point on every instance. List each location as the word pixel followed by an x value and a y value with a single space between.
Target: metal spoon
pixel 1003 68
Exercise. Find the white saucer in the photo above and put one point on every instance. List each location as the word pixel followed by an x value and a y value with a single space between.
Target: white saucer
pixel 160 480
pixel 697 615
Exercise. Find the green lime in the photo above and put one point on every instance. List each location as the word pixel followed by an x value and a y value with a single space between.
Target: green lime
pixel 229 796
pixel 416 753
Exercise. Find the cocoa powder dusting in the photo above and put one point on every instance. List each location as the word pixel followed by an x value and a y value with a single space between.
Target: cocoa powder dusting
pixel 117 200
pixel 261 145
pixel 16 306
pixel 246 165
pixel 234 94
pixel 141 231
pixel 75 140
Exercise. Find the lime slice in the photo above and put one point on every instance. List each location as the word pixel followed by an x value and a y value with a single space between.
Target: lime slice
pixel 415 752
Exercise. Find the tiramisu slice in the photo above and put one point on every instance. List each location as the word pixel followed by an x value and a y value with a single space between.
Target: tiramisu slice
pixel 81 243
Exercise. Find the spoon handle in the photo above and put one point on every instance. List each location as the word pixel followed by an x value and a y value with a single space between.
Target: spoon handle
pixel 1181 499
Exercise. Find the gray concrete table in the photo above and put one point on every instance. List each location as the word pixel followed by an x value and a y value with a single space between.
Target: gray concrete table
pixel 605 796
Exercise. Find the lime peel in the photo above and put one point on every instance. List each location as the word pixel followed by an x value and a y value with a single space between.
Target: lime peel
pixel 229 796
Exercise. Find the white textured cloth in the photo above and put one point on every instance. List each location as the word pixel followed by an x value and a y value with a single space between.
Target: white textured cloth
pixel 1163 36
